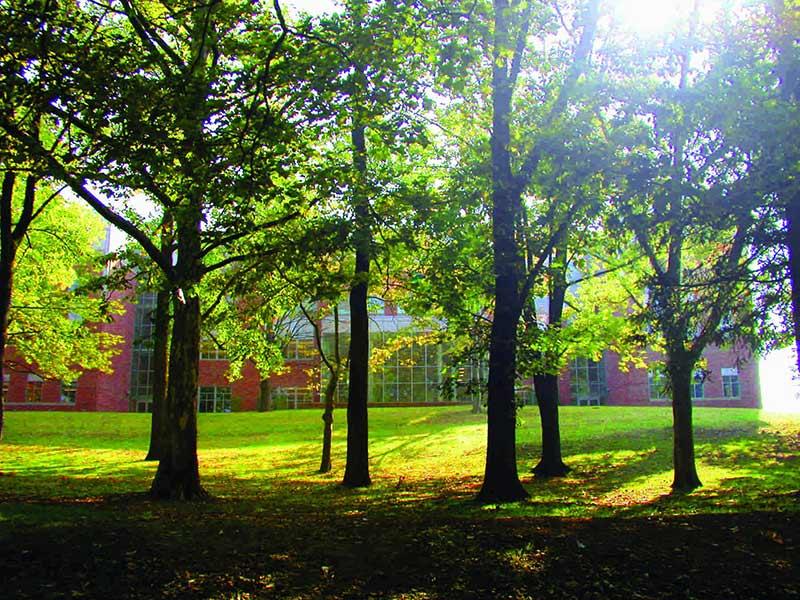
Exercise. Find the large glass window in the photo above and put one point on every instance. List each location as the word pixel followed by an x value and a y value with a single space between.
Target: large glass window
pixel 293 397
pixel 730 383
pixel 142 353
pixel 410 374
pixel 470 380
pixel 214 398
pixel 301 349
pixel 588 381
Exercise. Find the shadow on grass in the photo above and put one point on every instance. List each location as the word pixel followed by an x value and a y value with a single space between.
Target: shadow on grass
pixel 343 544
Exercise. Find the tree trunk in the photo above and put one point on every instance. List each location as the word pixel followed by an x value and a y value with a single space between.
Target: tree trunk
pixel 325 464
pixel 793 246
pixel 178 476
pixel 158 423
pixel 8 251
pixel 551 463
pixel 685 473
pixel 477 403
pixel 501 481
pixel 356 472
pixel 265 395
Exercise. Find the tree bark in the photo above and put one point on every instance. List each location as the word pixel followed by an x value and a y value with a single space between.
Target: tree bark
pixel 356 472
pixel 265 395
pixel 10 237
pixel 335 370
pixel 477 402
pixel 551 463
pixel 501 480
pixel 161 331
pixel 680 374
pixel 325 464
pixel 8 251
pixel 178 475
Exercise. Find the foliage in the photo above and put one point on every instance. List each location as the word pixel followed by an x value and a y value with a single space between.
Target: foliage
pixel 54 307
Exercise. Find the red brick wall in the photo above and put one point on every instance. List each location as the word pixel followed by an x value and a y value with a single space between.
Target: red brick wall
pixel 245 390
pixel 111 391
pixel 96 390
pixel 631 388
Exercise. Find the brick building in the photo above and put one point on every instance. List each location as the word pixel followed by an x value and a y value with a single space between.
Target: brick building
pixel 410 375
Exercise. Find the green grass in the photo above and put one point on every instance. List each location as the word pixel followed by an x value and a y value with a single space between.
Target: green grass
pixel 76 521
pixel 429 457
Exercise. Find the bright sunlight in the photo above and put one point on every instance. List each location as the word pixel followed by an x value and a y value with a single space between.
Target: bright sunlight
pixel 652 18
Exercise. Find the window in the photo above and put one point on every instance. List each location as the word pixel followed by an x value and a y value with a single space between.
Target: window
pixel 33 389
pixel 657 382
pixel 302 349
pixel 697 391
pixel 214 399
pixel 730 383
pixel 69 392
pixel 6 380
pixel 587 380
pixel 292 397
pixel 141 391
pixel 411 373
pixel 210 350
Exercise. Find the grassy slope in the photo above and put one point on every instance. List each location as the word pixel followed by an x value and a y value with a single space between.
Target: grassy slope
pixel 75 521
pixel 621 457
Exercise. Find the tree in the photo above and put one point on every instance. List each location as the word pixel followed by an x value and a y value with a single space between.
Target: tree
pixel 374 50
pixel 189 107
pixel 47 253
pixel 162 320
pixel 335 363
pixel 774 64
pixel 582 312
pixel 689 200
pixel 514 279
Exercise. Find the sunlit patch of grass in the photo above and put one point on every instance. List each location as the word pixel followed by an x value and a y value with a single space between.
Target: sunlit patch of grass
pixel 432 457
pixel 640 490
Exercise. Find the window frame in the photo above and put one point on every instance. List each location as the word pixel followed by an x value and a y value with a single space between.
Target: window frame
pixel 34 384
pixel 218 396
pixel 656 376
pixel 69 392
pixel 698 379
pixel 731 382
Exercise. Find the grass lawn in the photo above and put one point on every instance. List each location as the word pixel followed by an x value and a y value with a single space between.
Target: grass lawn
pixel 75 521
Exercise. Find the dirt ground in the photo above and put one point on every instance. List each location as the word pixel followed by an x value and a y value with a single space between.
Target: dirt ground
pixel 130 547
